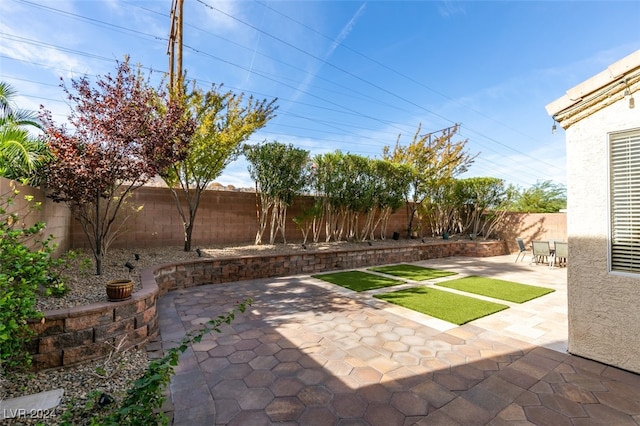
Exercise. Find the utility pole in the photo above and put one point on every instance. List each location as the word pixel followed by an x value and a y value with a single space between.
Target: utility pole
pixel 175 38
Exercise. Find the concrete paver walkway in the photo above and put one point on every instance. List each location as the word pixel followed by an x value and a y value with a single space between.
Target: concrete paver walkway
pixel 310 353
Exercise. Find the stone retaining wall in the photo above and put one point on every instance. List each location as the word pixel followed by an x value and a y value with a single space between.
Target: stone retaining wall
pixel 213 271
pixel 75 335
pixel 83 333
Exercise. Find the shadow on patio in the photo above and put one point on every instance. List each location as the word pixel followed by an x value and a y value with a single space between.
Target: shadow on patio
pixel 304 354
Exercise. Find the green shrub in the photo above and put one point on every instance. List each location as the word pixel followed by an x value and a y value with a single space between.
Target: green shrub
pixel 25 266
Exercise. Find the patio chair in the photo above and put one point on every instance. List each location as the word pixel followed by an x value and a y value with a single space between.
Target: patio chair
pixel 523 249
pixel 541 252
pixel 561 253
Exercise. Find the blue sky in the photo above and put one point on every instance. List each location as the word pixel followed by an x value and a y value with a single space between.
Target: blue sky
pixel 348 75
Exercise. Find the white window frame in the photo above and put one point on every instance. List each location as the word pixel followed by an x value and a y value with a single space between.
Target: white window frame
pixel 624 202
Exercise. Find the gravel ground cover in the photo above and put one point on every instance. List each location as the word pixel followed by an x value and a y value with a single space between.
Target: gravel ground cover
pixel 86 287
pixel 80 381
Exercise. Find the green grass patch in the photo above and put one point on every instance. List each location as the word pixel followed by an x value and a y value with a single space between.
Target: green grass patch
pixel 412 272
pixel 441 304
pixel 358 280
pixel 497 289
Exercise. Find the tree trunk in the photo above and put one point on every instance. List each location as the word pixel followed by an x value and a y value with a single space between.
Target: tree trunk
pixel 97 235
pixel 283 222
pixel 188 230
pixel 98 258
pixel 411 213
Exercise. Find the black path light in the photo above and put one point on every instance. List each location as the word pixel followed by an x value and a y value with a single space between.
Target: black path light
pixel 105 400
pixel 199 251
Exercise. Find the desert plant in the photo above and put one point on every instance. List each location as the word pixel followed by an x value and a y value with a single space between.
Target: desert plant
pixel 310 220
pixel 124 133
pixel 543 197
pixel 280 173
pixel 484 202
pixel 224 121
pixel 21 154
pixel 434 158
pixel 26 265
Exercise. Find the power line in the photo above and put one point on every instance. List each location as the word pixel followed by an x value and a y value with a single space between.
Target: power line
pixel 51 46
pixel 104 24
pixel 174 12
pixel 347 72
pixel 91 20
pixel 387 67
pixel 339 107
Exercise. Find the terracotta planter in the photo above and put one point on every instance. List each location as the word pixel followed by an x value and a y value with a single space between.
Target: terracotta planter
pixel 119 290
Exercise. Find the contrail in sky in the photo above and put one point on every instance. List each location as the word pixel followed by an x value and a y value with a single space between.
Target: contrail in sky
pixel 255 49
pixel 346 30
pixel 344 33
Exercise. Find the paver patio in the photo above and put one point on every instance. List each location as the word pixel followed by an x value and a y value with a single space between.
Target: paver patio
pixel 310 353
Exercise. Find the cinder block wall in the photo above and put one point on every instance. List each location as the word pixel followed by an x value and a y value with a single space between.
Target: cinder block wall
pixel 223 217
pixel 229 217
pixel 532 227
pixel 56 216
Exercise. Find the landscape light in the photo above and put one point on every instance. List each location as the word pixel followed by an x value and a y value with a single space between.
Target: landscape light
pixel 105 400
pixel 129 266
pixel 199 252
pixel 627 95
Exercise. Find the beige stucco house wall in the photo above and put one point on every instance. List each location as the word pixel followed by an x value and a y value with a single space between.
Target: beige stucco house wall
pixel 603 306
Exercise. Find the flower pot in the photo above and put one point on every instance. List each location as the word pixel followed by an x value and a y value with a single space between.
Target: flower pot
pixel 445 235
pixel 119 290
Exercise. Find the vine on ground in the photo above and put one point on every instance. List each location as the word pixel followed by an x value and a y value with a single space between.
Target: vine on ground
pixel 142 403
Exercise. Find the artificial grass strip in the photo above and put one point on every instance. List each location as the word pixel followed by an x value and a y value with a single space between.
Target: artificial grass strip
pixel 497 289
pixel 441 304
pixel 412 272
pixel 358 280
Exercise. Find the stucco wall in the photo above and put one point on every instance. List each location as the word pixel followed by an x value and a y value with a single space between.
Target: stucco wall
pixel 604 318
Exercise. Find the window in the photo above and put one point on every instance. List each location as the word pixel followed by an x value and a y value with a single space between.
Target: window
pixel 625 201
